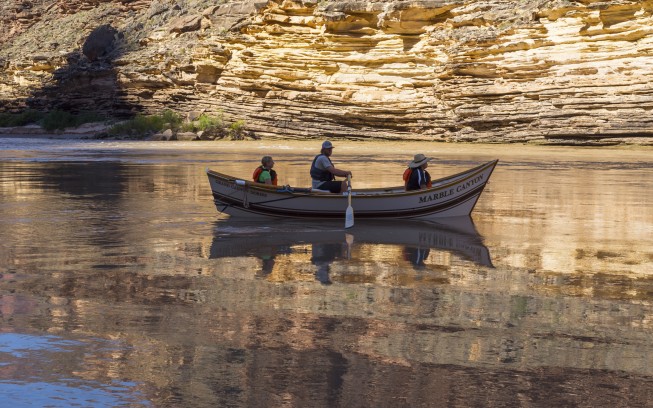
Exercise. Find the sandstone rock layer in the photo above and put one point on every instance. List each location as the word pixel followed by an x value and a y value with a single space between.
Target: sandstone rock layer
pixel 495 71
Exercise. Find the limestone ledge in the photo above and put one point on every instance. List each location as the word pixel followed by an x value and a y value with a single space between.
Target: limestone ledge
pixel 490 71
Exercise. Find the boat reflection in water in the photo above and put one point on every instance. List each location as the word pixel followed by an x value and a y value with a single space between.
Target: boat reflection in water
pixel 384 246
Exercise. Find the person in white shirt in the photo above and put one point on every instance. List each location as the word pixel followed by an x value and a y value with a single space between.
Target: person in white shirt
pixel 324 173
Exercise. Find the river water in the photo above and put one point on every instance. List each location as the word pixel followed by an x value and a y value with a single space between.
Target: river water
pixel 121 285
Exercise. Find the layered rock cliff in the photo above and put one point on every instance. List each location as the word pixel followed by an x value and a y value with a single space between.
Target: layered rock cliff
pixel 444 70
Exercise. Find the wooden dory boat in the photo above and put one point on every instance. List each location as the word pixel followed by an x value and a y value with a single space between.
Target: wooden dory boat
pixel 450 196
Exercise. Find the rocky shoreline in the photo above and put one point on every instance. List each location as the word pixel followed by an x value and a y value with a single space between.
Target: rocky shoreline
pixel 99 131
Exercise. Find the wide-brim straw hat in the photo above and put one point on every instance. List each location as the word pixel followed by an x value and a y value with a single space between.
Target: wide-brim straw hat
pixel 418 160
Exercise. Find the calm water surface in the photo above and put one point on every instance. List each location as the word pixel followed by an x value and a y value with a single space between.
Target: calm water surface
pixel 121 285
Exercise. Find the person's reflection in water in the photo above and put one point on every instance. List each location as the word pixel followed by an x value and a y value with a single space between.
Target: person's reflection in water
pixel 268 256
pixel 322 256
pixel 416 256
pixel 267 264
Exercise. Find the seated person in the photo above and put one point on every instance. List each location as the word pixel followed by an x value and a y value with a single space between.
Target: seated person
pixel 264 173
pixel 416 177
pixel 323 172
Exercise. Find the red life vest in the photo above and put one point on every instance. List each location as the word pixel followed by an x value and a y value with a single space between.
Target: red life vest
pixel 407 174
pixel 259 170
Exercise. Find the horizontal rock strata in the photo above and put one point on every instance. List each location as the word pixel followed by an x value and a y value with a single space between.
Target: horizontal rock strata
pixel 553 71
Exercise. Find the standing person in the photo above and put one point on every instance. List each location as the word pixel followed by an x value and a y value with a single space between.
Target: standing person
pixel 264 173
pixel 416 177
pixel 324 173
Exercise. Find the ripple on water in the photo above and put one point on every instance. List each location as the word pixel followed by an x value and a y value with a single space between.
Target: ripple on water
pixel 47 370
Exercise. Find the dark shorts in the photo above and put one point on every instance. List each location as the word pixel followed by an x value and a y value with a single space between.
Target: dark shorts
pixel 332 186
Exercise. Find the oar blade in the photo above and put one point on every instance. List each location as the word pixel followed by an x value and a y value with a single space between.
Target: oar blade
pixel 349 217
pixel 349 213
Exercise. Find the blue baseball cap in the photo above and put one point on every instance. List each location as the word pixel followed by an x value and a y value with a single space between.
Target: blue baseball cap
pixel 327 145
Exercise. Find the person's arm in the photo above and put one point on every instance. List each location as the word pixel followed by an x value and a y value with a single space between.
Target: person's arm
pixel 422 179
pixel 325 163
pixel 338 172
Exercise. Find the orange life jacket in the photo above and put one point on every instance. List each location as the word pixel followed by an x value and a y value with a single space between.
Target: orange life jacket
pixel 407 174
pixel 259 170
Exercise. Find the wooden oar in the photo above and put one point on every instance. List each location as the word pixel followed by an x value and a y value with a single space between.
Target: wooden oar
pixel 349 214
pixel 349 239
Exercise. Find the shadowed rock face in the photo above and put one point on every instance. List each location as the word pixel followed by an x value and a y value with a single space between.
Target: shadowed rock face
pixel 99 43
pixel 499 71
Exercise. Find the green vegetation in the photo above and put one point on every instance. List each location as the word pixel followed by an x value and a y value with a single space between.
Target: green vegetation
pixel 52 120
pixel 59 120
pixel 19 119
pixel 208 123
pixel 204 123
pixel 215 126
pixel 138 127
pixel 144 124
pixel 237 130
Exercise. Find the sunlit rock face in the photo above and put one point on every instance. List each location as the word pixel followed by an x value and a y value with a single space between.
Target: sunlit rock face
pixel 495 71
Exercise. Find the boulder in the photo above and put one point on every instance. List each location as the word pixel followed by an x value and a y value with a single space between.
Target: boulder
pixel 203 135
pixel 100 42
pixel 167 135
pixel 194 115
pixel 186 136
pixel 185 24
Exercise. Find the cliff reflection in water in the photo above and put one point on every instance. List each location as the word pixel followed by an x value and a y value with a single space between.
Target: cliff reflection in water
pixel 120 250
